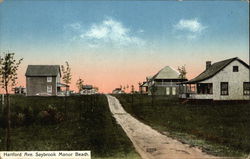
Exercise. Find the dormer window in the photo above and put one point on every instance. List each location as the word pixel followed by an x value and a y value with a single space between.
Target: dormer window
pixel 49 79
pixel 235 68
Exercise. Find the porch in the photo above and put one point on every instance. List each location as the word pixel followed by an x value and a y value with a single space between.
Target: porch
pixel 196 90
pixel 62 89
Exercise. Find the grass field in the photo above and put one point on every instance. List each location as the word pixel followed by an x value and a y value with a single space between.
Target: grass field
pixel 74 123
pixel 220 129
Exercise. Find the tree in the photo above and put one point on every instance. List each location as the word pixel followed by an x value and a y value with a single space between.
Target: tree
pixel 79 84
pixel 140 89
pixel 97 89
pixel 124 89
pixel 182 71
pixel 66 70
pixel 132 94
pixel 8 76
pixel 132 89
pixel 153 90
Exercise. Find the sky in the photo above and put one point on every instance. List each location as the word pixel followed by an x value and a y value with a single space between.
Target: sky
pixel 113 43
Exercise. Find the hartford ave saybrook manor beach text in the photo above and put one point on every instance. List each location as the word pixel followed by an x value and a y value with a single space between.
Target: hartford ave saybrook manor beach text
pixel 46 154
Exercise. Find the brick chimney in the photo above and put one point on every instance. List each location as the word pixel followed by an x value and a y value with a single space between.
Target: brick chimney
pixel 208 64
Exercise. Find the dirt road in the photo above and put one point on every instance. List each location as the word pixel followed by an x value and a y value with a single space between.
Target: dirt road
pixel 149 143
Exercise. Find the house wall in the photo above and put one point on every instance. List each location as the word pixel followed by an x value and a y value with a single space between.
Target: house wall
pixel 235 82
pixel 162 90
pixel 38 85
pixel 58 78
pixel 201 96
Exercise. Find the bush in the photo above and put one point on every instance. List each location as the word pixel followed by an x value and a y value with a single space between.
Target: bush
pixel 29 116
pixel 17 119
pixel 50 116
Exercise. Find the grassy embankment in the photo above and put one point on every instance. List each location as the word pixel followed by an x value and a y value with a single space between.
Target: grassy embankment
pixel 44 123
pixel 219 129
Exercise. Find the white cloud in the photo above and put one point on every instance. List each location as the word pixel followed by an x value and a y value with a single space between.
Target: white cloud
pixel 190 28
pixel 108 32
pixel 192 25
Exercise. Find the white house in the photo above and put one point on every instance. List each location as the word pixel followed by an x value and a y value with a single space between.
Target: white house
pixel 118 91
pixel 223 80
pixel 164 82
pixel 88 90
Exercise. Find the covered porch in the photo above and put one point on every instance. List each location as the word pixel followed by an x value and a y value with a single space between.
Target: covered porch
pixel 197 90
pixel 62 89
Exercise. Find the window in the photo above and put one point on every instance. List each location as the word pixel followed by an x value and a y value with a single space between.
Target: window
pixel 224 88
pixel 49 79
pixel 49 89
pixel 205 88
pixel 246 88
pixel 173 90
pixel 167 91
pixel 235 69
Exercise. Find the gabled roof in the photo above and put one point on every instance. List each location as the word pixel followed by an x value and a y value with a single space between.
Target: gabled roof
pixel 62 85
pixel 148 78
pixel 117 89
pixel 214 69
pixel 167 73
pixel 43 70
pixel 87 87
pixel 144 84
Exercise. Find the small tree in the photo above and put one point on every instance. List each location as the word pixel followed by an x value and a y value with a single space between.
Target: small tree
pixel 140 89
pixel 79 84
pixel 96 88
pixel 132 93
pixel 132 89
pixel 182 71
pixel 124 89
pixel 153 90
pixel 8 76
pixel 66 70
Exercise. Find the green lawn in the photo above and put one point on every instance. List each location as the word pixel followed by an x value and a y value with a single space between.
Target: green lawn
pixel 74 123
pixel 220 129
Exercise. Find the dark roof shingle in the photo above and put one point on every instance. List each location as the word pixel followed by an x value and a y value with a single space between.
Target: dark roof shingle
pixel 43 70
pixel 87 87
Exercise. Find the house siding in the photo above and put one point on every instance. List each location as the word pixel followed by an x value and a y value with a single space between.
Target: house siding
pixel 38 85
pixel 162 90
pixel 235 82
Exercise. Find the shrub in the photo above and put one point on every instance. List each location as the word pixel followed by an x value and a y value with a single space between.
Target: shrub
pixel 44 117
pixel 29 116
pixel 50 116
pixel 17 119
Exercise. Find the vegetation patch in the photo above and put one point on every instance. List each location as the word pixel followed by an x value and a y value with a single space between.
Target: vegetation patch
pixel 219 129
pixel 71 123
